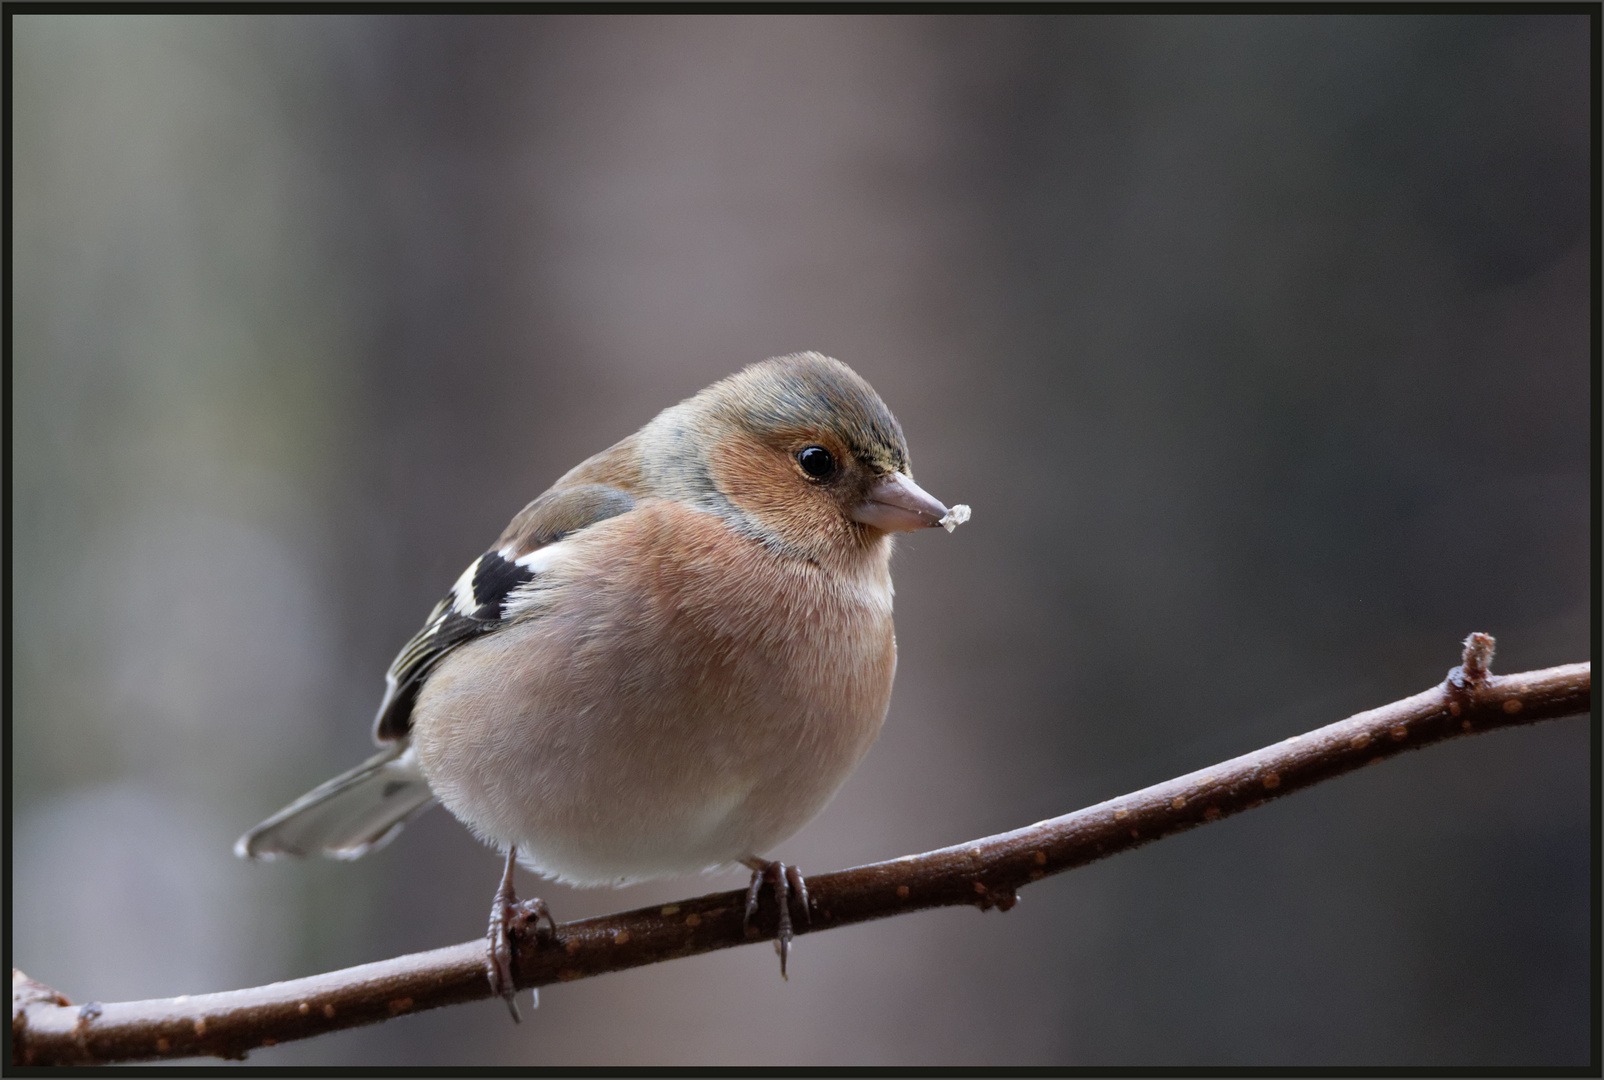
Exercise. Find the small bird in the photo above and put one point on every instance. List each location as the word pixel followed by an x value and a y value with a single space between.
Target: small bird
pixel 667 663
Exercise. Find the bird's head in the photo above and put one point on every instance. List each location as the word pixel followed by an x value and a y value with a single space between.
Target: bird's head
pixel 805 450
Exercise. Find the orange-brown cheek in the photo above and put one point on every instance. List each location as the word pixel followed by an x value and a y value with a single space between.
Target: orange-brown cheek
pixel 762 481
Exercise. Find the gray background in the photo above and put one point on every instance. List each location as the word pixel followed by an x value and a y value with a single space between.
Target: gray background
pixel 1258 344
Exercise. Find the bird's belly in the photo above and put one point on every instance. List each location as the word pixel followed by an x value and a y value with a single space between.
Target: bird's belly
pixel 629 744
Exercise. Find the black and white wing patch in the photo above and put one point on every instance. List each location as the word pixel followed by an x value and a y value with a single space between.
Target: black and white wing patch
pixel 483 597
pixel 472 607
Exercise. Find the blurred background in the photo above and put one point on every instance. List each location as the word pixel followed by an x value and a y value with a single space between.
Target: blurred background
pixel 1259 345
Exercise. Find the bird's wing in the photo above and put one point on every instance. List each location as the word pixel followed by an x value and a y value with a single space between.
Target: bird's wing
pixel 477 603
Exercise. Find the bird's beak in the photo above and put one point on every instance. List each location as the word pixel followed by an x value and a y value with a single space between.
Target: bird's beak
pixel 897 504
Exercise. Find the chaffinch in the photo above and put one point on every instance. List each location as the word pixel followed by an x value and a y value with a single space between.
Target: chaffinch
pixel 667 663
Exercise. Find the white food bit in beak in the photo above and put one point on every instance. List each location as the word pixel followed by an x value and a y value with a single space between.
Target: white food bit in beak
pixel 955 517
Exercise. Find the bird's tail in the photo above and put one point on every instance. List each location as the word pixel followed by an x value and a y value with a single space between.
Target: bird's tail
pixel 349 816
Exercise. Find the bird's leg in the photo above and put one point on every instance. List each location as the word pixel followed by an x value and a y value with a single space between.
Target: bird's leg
pixel 787 882
pixel 509 916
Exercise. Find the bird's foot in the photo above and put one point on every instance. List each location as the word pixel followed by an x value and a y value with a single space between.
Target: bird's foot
pixel 510 917
pixel 788 883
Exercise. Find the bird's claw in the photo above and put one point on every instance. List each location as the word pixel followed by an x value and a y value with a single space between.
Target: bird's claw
pixel 787 882
pixel 510 917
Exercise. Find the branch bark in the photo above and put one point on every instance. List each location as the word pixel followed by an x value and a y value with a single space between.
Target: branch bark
pixel 48 1030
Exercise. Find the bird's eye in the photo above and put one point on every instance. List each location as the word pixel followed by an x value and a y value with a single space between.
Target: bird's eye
pixel 816 462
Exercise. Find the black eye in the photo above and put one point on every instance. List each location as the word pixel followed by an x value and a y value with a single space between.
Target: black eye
pixel 816 462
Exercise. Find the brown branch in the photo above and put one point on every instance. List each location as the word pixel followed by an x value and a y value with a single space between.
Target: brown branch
pixel 47 1030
